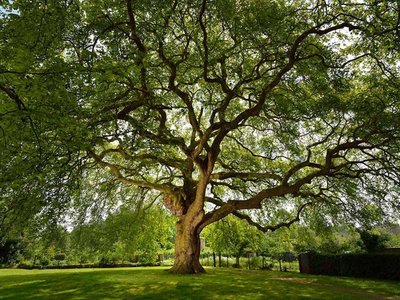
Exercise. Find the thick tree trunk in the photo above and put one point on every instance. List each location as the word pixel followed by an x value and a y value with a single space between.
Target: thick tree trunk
pixel 187 239
pixel 187 250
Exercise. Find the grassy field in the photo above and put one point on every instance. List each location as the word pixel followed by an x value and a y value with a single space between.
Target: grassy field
pixel 156 283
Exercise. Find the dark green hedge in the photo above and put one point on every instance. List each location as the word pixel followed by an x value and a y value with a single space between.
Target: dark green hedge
pixel 371 265
pixel 84 266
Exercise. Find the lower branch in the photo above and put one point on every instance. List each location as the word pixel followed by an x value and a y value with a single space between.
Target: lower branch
pixel 276 226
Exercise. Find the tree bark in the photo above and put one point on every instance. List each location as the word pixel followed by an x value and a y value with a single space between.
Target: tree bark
pixel 214 260
pixel 187 249
pixel 238 261
pixel 187 239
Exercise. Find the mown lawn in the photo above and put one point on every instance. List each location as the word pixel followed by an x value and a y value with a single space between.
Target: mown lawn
pixel 156 283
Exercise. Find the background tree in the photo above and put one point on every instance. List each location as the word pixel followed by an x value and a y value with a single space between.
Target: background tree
pixel 124 235
pixel 219 106
pixel 10 250
pixel 233 236
pixel 393 231
pixel 372 240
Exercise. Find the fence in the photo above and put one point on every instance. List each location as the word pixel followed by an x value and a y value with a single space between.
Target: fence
pixel 251 262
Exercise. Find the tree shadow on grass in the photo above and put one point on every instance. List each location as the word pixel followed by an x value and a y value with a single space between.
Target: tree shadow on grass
pixel 158 284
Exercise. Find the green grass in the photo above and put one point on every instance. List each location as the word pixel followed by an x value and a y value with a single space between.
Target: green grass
pixel 155 283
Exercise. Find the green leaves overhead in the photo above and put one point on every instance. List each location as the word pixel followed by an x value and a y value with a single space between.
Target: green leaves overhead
pixel 234 100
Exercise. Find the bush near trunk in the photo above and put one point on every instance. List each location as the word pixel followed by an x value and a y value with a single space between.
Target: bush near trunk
pixel 368 265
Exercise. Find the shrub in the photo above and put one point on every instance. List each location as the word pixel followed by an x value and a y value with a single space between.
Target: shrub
pixel 25 265
pixel 107 261
pixel 148 257
pixel 44 262
pixel 59 256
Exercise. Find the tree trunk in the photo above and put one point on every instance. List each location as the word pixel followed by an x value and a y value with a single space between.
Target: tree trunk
pixel 187 239
pixel 263 262
pixel 187 250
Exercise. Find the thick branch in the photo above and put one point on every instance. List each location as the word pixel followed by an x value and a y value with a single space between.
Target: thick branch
pixel 267 89
pixel 249 220
pixel 275 226
pixel 254 202
pixel 174 162
pixel 245 175
pixel 132 24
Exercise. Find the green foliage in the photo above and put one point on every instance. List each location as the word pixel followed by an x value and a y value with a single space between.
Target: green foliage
pixel 232 236
pixel 124 235
pixel 283 105
pixel 299 238
pixel 10 251
pixel 373 240
pixel 392 231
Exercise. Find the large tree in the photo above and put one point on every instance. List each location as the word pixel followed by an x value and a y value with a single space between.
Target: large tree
pixel 219 106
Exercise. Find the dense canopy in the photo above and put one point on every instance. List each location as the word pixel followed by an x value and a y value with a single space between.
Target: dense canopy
pixel 217 106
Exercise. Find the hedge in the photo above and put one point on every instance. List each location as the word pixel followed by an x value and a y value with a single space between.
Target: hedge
pixel 85 266
pixel 370 265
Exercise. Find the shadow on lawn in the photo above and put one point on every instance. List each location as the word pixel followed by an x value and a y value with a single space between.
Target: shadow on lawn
pixel 158 284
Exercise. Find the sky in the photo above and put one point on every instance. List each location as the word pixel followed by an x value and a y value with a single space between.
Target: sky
pixel 4 11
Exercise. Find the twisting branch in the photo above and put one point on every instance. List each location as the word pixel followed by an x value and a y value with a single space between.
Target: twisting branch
pixel 181 94
pixel 329 169
pixel 117 173
pixel 275 226
pixel 172 162
pixel 132 24
pixel 267 89
pixel 21 106
pixel 245 175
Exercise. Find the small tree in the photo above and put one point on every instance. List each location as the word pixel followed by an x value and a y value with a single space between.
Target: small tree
pixel 233 236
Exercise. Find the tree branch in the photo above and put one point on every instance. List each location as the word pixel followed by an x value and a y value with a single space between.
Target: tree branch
pixel 117 173
pixel 245 175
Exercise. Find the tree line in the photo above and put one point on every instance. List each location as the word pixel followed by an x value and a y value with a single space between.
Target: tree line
pixel 141 237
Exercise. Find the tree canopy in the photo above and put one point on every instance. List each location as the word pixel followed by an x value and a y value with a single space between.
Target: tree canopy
pixel 218 106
